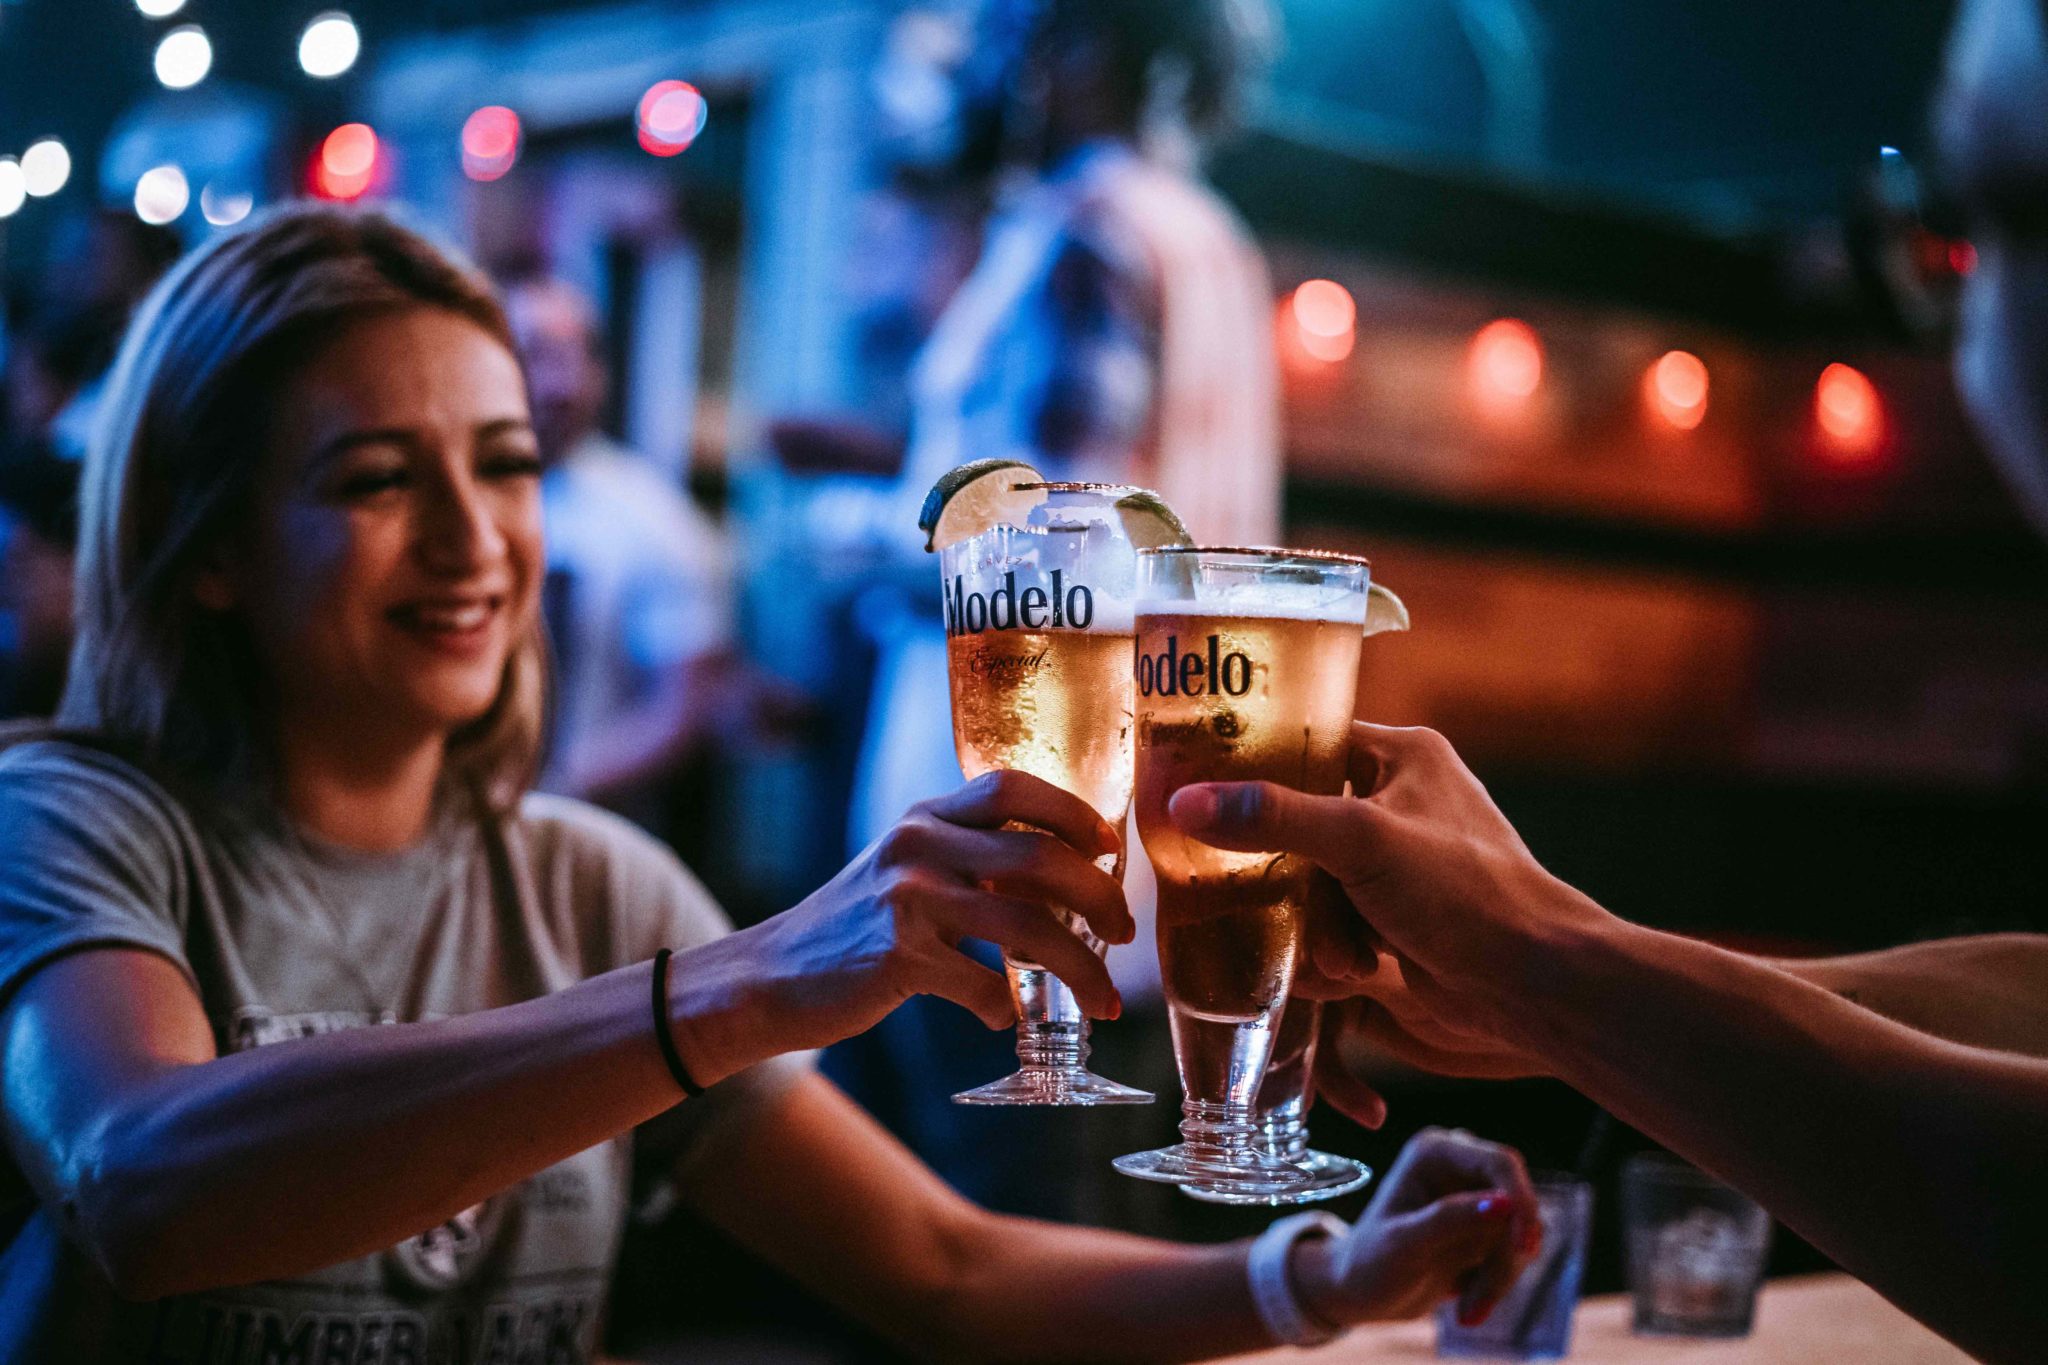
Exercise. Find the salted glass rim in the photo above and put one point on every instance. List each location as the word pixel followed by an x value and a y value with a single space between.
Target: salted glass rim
pixel 1068 486
pixel 1269 552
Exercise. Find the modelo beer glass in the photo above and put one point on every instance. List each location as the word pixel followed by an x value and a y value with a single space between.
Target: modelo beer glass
pixel 1038 652
pixel 1280 1117
pixel 1247 669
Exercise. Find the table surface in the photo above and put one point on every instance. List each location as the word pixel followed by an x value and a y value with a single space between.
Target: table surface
pixel 1808 1320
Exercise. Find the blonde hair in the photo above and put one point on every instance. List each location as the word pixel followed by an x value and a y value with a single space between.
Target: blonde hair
pixel 170 481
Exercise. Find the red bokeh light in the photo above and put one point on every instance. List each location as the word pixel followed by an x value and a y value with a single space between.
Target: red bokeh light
pixel 346 163
pixel 1676 387
pixel 670 116
pixel 1849 412
pixel 1962 257
pixel 1324 308
pixel 1325 319
pixel 1505 363
pixel 490 142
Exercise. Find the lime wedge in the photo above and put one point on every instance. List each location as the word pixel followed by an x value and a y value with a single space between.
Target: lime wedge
pixel 969 499
pixel 1149 522
pixel 1383 611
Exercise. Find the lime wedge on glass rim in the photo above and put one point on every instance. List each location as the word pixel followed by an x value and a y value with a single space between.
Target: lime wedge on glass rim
pixel 1383 610
pixel 1149 522
pixel 970 498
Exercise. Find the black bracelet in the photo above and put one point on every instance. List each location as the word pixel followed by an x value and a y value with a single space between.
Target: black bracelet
pixel 662 1035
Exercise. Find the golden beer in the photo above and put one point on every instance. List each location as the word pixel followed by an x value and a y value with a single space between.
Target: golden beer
pixel 1038 661
pixel 1055 704
pixel 1246 671
pixel 1231 699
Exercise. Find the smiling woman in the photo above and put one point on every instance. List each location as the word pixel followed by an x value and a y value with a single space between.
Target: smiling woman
pixel 288 801
pixel 397 554
pixel 342 315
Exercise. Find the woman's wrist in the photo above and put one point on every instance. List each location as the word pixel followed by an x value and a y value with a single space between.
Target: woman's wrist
pixel 1315 1268
pixel 710 1018
pixel 1276 1278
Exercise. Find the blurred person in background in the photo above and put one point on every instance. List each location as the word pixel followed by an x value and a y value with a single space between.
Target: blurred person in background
pixel 38 535
pixel 639 597
pixel 1888 1106
pixel 100 265
pixel 292 966
pixel 1117 326
pixel 61 338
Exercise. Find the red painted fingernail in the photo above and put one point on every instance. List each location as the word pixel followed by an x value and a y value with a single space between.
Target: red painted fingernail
pixel 1494 1206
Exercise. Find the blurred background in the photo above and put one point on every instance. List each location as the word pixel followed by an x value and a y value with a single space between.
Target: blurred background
pixel 1614 334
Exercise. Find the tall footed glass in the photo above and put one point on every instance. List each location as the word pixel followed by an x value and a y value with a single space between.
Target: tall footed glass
pixel 1280 1118
pixel 1038 652
pixel 1247 669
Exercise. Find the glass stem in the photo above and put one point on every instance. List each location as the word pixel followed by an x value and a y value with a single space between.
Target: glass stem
pixel 1048 1046
pixel 1218 1131
pixel 1283 1135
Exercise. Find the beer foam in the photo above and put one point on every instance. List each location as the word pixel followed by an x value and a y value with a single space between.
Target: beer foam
pixel 1113 618
pixel 1254 605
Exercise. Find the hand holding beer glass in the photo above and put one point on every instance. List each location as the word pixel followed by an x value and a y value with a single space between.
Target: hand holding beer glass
pixel 1038 652
pixel 1247 669
pixel 1281 1109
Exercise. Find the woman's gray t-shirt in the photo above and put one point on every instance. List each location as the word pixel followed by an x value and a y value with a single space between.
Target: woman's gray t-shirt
pixel 283 938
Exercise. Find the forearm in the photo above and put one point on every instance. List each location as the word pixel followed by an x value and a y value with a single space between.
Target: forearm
pixel 1989 990
pixel 1025 1290
pixel 345 1143
pixel 817 1188
pixel 1902 1156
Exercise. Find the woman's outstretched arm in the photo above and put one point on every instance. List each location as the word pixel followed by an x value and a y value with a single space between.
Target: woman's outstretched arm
pixel 818 1188
pixel 177 1169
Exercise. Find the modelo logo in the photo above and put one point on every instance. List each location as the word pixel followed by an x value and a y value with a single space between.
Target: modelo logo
pixel 1209 672
pixel 1065 607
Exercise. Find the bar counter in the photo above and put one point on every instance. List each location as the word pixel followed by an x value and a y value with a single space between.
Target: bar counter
pixel 1806 1320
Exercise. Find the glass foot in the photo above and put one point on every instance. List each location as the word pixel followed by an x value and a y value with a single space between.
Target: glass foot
pixel 1236 1171
pixel 1328 1177
pixel 1035 1085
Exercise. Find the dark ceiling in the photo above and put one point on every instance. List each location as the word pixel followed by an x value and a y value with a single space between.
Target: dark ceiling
pixel 1731 112
pixel 1739 105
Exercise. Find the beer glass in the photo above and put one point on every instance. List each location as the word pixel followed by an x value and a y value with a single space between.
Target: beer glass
pixel 1247 669
pixel 1038 653
pixel 1281 1117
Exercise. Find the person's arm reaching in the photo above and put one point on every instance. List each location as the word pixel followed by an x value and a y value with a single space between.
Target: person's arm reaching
pixel 158 1156
pixel 1988 990
pixel 815 1186
pixel 1910 1160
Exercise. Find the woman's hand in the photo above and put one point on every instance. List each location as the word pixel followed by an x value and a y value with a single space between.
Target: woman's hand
pixel 1456 1215
pixel 889 927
